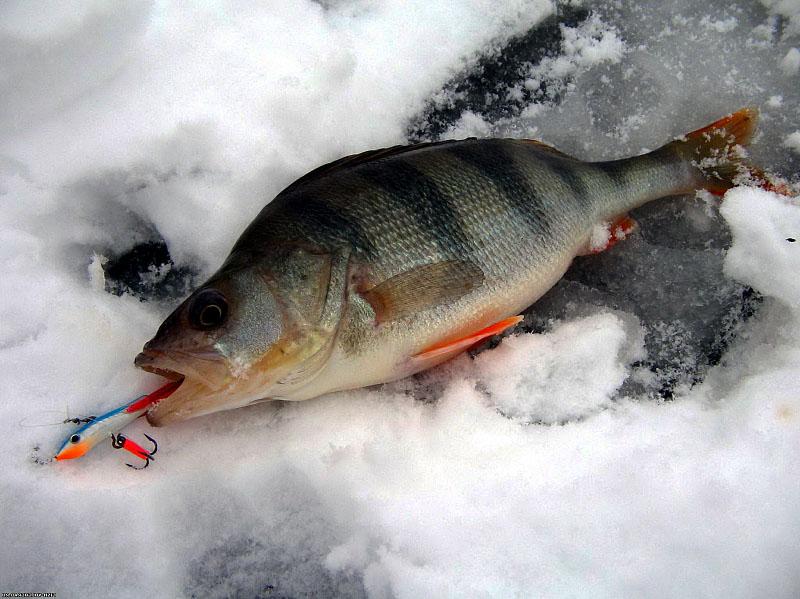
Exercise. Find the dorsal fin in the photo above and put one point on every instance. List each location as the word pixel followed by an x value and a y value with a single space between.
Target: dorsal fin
pixel 355 160
pixel 540 145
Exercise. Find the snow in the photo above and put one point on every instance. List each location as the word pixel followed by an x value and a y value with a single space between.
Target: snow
pixel 721 25
pixel 534 468
pixel 775 101
pixel 601 234
pixel 792 141
pixel 768 238
pixel 790 64
pixel 568 373
pixel 590 44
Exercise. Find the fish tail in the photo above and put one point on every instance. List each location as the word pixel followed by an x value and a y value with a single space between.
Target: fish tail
pixel 717 156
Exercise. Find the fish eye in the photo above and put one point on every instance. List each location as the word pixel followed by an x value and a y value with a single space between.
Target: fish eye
pixel 208 310
pixel 74 438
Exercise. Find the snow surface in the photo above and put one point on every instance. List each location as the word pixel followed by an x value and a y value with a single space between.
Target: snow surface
pixel 792 141
pixel 527 472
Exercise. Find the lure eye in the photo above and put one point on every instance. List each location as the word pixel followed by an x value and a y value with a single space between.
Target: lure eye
pixel 209 310
pixel 74 438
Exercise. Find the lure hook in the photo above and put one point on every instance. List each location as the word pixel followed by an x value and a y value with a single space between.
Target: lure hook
pixel 119 441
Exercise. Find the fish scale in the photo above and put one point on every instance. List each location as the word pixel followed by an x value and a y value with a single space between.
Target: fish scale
pixel 382 264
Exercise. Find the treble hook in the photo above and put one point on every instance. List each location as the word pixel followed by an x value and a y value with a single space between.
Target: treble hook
pixel 119 441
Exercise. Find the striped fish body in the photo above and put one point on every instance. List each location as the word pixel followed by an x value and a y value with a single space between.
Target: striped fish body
pixel 374 259
pixel 517 210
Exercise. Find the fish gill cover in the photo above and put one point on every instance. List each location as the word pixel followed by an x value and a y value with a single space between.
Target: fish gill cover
pixel 135 145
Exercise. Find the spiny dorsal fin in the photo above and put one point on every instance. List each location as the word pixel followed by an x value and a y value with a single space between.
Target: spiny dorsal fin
pixel 423 287
pixel 540 145
pixel 355 160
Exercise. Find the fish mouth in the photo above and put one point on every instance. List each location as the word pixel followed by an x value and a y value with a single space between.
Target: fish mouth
pixel 207 368
pixel 172 375
pixel 148 360
pixel 201 377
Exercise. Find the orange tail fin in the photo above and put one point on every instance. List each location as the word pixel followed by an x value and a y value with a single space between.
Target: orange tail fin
pixel 737 128
pixel 717 152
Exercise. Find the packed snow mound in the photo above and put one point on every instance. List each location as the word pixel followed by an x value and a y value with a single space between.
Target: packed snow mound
pixel 766 229
pixel 563 375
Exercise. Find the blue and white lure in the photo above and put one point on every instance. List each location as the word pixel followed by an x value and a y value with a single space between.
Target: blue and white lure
pixel 98 428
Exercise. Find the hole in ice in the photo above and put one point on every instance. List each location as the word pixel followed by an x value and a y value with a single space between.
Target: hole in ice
pixel 148 272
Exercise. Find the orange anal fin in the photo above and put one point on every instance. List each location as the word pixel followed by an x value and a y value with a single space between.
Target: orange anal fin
pixel 770 182
pixel 615 232
pixel 717 190
pixel 780 188
pixel 458 345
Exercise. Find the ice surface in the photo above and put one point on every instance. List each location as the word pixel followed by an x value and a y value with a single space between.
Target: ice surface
pixel 787 10
pixel 149 135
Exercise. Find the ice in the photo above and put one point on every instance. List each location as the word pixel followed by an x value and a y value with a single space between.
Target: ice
pixel 788 10
pixel 641 442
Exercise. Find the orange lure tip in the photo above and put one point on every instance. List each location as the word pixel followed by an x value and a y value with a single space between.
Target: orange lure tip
pixel 73 451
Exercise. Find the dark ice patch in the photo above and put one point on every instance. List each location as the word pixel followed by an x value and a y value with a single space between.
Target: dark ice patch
pixel 485 88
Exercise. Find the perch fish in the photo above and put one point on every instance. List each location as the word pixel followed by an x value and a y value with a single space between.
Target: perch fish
pixel 382 264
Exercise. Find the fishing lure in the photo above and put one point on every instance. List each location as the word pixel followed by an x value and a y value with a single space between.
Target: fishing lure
pixel 109 424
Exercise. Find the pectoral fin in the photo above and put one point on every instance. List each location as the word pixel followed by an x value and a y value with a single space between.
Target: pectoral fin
pixel 421 288
pixel 455 346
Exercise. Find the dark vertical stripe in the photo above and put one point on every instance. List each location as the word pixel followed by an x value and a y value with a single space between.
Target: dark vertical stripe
pixel 569 175
pixel 614 170
pixel 492 160
pixel 414 191
pixel 299 217
pixel 318 217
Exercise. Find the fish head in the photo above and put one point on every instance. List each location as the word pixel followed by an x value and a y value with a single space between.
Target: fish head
pixel 233 339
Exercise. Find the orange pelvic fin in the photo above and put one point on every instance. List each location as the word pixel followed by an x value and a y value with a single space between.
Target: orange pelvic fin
pixel 615 232
pixel 454 346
